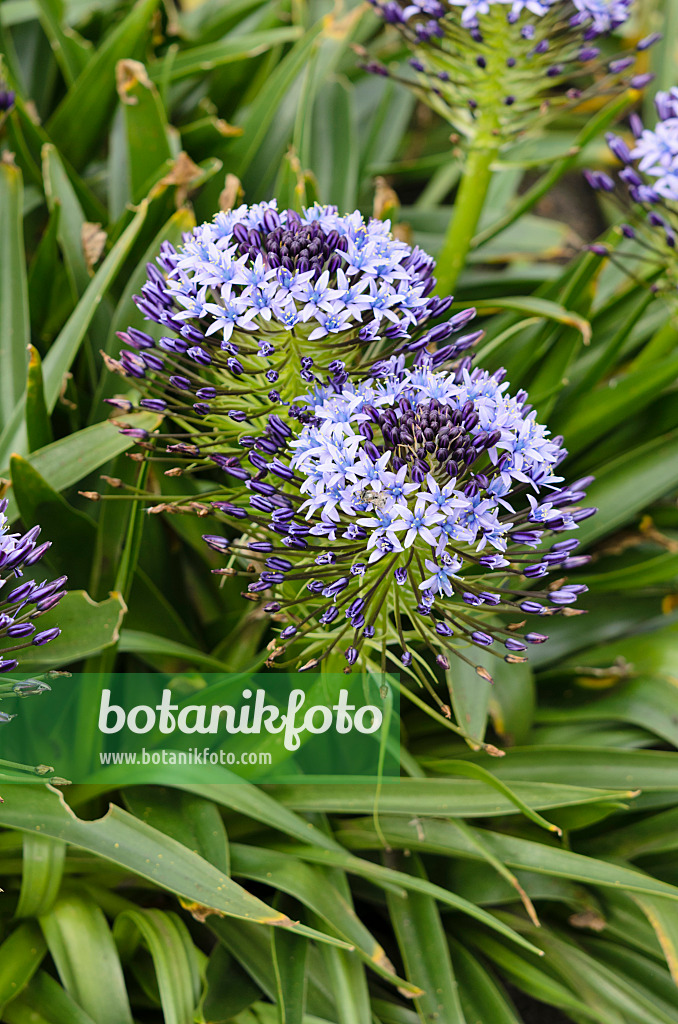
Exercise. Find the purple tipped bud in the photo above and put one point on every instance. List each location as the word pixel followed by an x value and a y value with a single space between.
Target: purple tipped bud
pixel 46 636
pixel 351 655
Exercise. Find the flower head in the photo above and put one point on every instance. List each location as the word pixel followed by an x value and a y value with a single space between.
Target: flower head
pixel 22 603
pixel 488 66
pixel 404 508
pixel 258 301
pixel 645 187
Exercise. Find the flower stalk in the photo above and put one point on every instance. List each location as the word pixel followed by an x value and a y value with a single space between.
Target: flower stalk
pixel 468 207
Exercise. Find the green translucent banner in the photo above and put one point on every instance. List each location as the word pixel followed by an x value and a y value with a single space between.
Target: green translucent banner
pixel 200 728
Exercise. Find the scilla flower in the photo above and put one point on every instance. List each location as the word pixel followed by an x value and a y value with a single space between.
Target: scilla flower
pixel 645 188
pixel 21 604
pixel 258 301
pixel 504 59
pixel 254 299
pixel 405 511
pixel 497 70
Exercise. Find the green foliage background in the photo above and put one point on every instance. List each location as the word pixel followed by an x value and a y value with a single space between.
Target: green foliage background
pixel 480 890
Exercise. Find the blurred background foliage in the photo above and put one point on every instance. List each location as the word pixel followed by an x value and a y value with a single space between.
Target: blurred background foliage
pixel 537 886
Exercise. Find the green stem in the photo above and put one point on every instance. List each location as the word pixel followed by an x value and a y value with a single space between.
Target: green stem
pixel 468 207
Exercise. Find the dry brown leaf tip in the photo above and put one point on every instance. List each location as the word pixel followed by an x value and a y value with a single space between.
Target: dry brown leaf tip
pixel 129 73
pixel 93 240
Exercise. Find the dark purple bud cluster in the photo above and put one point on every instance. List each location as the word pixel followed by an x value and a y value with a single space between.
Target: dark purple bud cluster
pixel 296 247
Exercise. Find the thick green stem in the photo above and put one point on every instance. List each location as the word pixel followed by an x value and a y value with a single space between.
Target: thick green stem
pixel 468 207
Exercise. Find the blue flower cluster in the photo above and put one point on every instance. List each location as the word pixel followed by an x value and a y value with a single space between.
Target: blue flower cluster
pixel 413 495
pixel 400 500
pixel 258 300
pixel 253 266
pixel 646 187
pixel 656 149
pixel 22 604
pixel 431 434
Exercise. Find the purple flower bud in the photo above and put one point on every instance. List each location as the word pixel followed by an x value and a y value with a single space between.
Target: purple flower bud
pixel 641 81
pixel 648 41
pixel 46 636
pixel 351 655
pixel 20 629
pixel 220 544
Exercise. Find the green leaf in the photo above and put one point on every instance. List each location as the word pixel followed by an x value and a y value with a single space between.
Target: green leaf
pixel 45 1002
pixel 197 60
pixel 593 414
pixel 289 960
pixel 349 987
pixel 311 887
pixel 470 696
pixel 481 997
pixel 398 881
pixel 124 840
pixel 421 940
pixel 81 118
pixel 445 838
pixel 436 797
pixel 262 111
pixel 134 642
pixel 228 989
pixel 72 533
pixel 532 305
pixel 86 629
pixel 70 459
pixel 43 868
pixel 618 994
pixel 647 701
pixel 253 802
pixel 63 351
pixel 661 915
pixel 251 948
pixel 46 278
pixel 65 347
pixel 38 426
pixel 62 196
pixel 190 819
pixel 627 485
pixel 147 131
pixel 538 983
pixel 82 947
pixel 70 49
pixel 21 954
pixel 649 770
pixel 333 151
pixel 174 959
pixel 14 320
